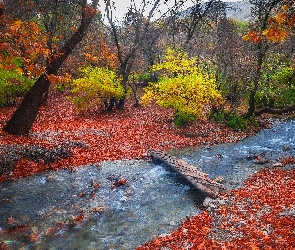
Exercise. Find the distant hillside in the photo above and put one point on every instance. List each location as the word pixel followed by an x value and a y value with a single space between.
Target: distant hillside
pixel 240 10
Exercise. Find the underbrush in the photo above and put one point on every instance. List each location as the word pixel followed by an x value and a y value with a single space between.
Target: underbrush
pixel 234 120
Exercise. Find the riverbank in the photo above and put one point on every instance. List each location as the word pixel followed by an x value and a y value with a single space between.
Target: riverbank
pixel 62 138
pixel 259 215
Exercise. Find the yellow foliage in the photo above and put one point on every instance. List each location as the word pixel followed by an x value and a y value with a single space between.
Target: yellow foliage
pixel 188 91
pixel 175 63
pixel 96 85
pixel 187 94
pixel 20 71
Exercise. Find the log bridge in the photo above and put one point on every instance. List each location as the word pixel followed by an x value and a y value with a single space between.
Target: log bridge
pixel 200 180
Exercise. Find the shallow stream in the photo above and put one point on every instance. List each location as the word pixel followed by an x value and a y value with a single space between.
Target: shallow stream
pixel 122 204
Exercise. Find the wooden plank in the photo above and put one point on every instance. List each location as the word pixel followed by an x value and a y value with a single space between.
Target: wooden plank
pixel 197 178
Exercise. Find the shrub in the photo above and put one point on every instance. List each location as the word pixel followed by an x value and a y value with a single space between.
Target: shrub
pixel 233 120
pixel 253 121
pixel 143 78
pixel 218 116
pixel 12 85
pixel 96 85
pixel 181 118
pixel 186 89
pixel 277 83
pixel 236 121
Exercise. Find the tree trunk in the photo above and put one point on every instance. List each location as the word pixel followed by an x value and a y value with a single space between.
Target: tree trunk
pixel 22 120
pixel 110 105
pixel 251 108
pixel 24 117
pixel 120 104
pixel 134 95
pixel 45 98
pixel 260 56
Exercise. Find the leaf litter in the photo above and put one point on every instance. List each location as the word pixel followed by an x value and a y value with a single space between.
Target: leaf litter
pixel 259 215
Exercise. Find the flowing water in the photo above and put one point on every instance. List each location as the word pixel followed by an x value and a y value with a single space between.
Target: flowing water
pixel 122 204
pixel 85 210
pixel 236 162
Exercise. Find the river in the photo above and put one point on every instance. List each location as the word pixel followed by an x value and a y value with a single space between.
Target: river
pixel 122 204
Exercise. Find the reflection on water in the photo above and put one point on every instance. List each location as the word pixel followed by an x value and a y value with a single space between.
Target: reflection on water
pixel 85 209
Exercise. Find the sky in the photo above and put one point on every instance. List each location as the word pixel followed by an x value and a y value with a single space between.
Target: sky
pixel 122 5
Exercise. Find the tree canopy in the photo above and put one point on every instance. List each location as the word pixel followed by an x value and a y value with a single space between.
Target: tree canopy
pixel 236 61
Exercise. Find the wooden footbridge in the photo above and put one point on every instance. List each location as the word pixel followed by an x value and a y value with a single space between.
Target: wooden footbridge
pixel 200 180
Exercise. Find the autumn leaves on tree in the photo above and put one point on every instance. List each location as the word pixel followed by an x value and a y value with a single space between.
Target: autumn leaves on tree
pixel 274 23
pixel 25 115
pixel 44 47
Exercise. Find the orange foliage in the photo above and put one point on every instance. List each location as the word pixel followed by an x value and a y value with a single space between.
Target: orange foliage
pixel 128 134
pixel 288 160
pixel 279 25
pixel 97 51
pixel 25 41
pixel 58 79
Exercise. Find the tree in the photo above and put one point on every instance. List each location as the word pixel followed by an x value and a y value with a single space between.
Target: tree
pixel 201 11
pixel 94 50
pixel 182 86
pixel 263 37
pixel 185 24
pixel 95 87
pixel 24 117
pixel 281 23
pixel 128 39
pixel 23 47
pixel 233 60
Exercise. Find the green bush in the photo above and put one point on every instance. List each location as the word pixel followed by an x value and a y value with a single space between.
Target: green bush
pixel 236 121
pixel 12 85
pixel 144 78
pixel 182 118
pixel 277 83
pixel 218 116
pixel 233 120
pixel 253 121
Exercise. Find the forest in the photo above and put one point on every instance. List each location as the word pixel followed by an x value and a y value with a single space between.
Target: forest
pixel 80 85
pixel 196 61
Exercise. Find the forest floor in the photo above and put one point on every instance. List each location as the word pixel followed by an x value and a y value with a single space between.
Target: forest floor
pixel 260 215
pixel 98 136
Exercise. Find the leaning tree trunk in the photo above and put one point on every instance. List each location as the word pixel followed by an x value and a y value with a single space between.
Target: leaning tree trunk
pixel 23 118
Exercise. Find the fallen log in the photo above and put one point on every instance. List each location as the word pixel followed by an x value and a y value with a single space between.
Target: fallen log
pixel 198 179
